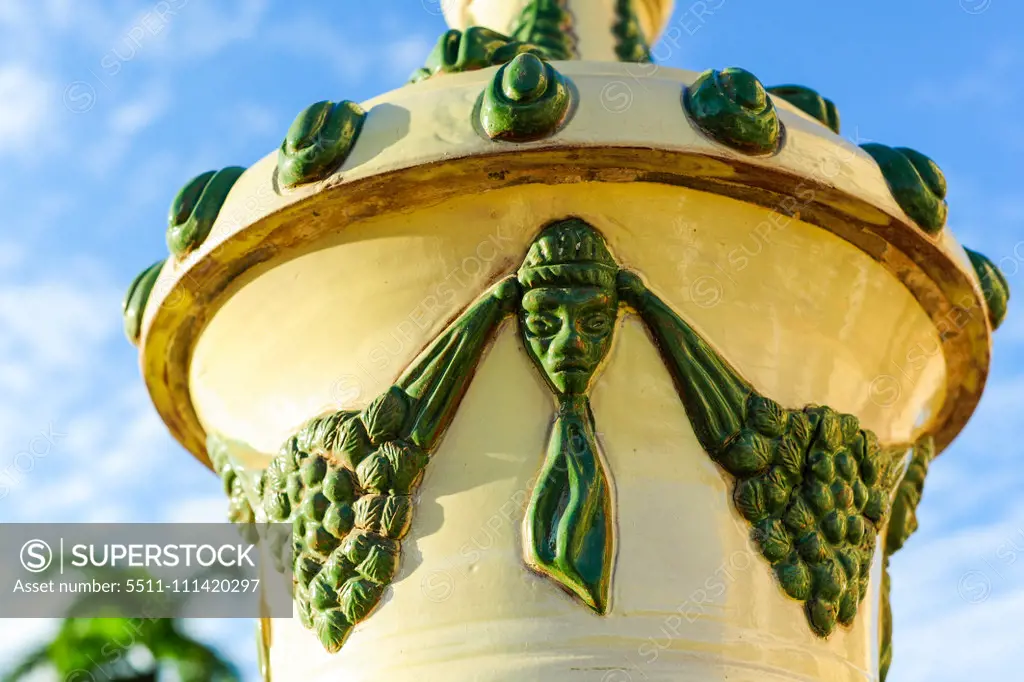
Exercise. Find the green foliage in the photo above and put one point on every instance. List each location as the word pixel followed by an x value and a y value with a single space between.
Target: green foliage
pixel 101 647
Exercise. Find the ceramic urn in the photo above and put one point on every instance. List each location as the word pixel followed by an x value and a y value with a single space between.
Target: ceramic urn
pixel 564 366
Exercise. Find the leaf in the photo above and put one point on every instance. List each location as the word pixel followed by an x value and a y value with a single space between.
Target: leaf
pixel 322 594
pixel 379 565
pixel 389 515
pixel 332 629
pixel 358 597
pixel 338 568
pixel 747 455
pixel 406 462
pixel 374 473
pixel 352 444
pixel 396 516
pixel 766 416
pixel 385 416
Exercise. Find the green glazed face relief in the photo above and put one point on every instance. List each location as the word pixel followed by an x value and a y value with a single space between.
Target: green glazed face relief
pixel 135 300
pixel 812 484
pixel 195 208
pixel 916 182
pixel 993 285
pixel 732 107
pixel 630 43
pixel 902 524
pixel 319 140
pixel 472 49
pixel 569 305
pixel 568 332
pixel 526 100
pixel 548 25
pixel 566 319
pixel 809 102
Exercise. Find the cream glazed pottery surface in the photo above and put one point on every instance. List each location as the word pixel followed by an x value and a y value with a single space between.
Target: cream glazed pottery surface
pixel 569 368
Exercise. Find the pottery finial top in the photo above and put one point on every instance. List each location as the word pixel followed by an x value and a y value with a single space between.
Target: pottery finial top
pixel 604 30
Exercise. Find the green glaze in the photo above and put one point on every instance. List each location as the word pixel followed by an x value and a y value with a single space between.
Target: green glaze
pixel 196 206
pixel 239 508
pixel 916 183
pixel 548 25
pixel 902 524
pixel 345 481
pixel 319 140
pixel 526 100
pixel 809 102
pixel 135 300
pixel 630 43
pixel 469 50
pixel 731 107
pixel 812 484
pixel 993 285
pixel 544 29
pixel 567 320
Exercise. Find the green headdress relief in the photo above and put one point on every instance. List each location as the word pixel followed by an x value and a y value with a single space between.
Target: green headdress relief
pixel 567 318
pixel 813 485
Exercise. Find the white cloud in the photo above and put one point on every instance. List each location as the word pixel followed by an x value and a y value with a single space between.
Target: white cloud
pixel 26 98
pixel 124 123
pixel 131 118
pixel 192 29
pixel 31 28
pixel 50 325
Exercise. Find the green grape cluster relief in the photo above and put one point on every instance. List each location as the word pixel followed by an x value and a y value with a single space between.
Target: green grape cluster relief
pixel 815 486
pixel 344 483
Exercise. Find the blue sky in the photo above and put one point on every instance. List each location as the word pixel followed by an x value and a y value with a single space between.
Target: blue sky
pixel 106 110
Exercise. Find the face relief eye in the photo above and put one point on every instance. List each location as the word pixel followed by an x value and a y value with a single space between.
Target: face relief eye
pixel 540 325
pixel 596 324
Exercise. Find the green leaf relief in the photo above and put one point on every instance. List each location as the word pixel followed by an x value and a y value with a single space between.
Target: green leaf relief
pixel 916 183
pixel 196 207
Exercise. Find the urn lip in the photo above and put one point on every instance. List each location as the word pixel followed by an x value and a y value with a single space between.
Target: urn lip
pixel 419 147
